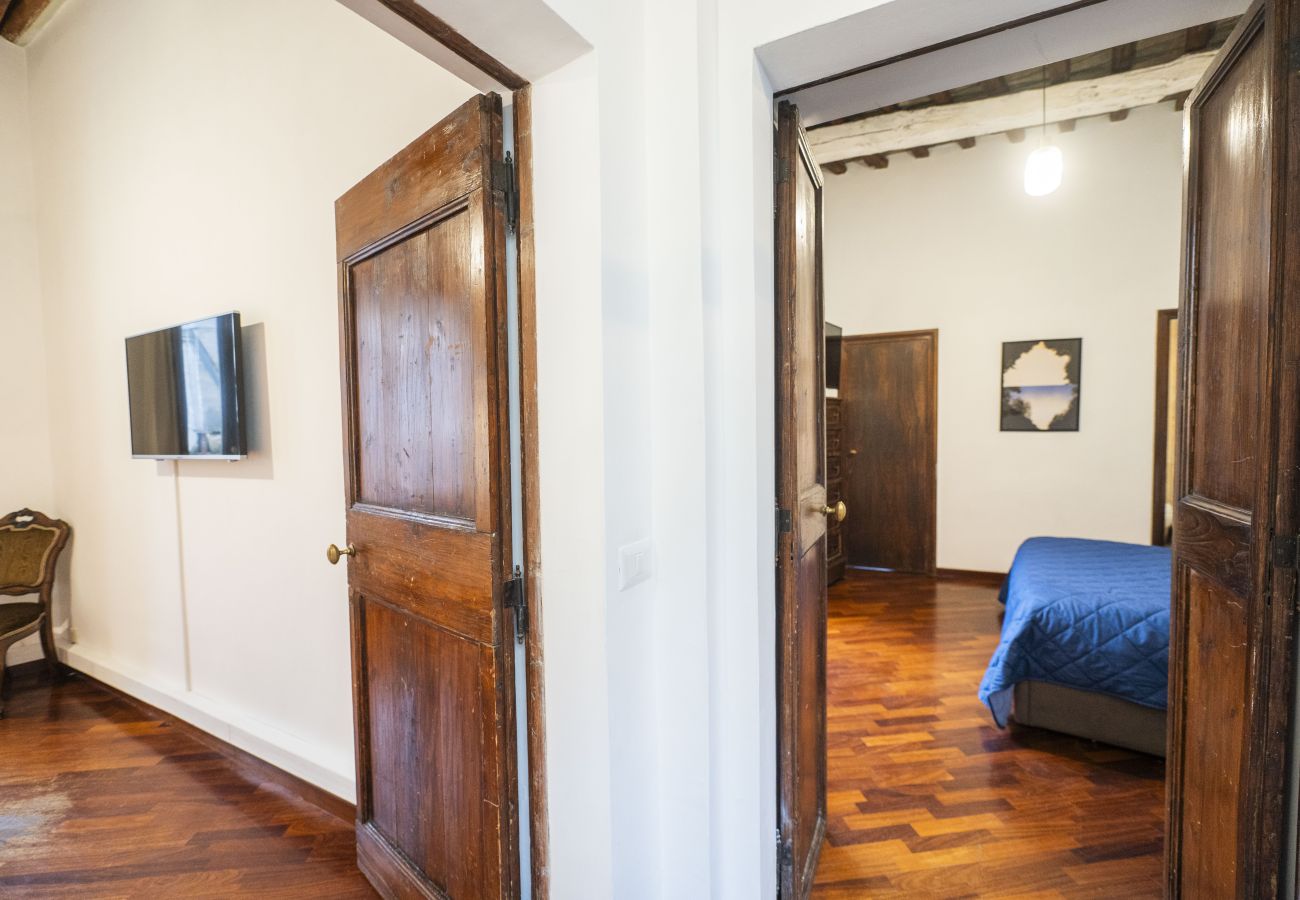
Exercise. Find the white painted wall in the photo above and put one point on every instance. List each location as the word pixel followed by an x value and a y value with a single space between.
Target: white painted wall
pixel 188 156
pixel 953 242
pixel 24 426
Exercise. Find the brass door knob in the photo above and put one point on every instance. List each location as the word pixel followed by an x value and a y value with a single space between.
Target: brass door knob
pixel 839 510
pixel 334 554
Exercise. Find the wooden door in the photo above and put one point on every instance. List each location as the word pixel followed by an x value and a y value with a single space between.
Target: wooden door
pixel 889 401
pixel 1235 525
pixel 422 292
pixel 801 513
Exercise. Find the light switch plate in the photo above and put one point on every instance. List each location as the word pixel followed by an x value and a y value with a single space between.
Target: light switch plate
pixel 635 564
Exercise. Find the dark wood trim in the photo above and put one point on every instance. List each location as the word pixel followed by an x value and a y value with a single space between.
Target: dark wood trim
pixel 1277 682
pixel 1159 468
pixel 972 576
pixel 944 45
pixel 454 41
pixel 895 335
pixel 530 474
pixel 932 542
pixel 246 762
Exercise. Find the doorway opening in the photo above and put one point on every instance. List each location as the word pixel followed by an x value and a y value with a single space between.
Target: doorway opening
pixel 975 734
pixel 439 377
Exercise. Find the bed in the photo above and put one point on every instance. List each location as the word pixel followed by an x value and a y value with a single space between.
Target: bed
pixel 1085 641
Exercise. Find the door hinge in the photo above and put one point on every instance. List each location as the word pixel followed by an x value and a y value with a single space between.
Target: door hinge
pixel 1293 55
pixel 783 171
pixel 1285 551
pixel 504 180
pixel 784 521
pixel 784 853
pixel 517 601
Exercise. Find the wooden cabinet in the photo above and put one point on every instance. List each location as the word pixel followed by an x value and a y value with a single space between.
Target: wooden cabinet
pixel 834 492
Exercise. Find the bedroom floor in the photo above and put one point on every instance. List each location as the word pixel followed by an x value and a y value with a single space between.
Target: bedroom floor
pixel 927 798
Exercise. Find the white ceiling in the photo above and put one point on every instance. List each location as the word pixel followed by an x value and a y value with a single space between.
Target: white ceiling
pixel 896 28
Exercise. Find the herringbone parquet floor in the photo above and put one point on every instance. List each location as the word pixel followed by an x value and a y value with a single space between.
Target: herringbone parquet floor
pixel 927 798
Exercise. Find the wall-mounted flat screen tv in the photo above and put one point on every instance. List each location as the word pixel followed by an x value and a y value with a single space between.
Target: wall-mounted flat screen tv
pixel 186 391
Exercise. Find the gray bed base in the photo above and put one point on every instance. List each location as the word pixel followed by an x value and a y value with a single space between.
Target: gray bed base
pixel 1085 714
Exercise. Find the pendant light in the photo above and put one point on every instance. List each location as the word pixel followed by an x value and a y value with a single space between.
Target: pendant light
pixel 1045 165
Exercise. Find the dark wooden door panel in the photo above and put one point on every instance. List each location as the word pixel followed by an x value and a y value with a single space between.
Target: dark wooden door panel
pixel 800 490
pixel 431 699
pixel 889 405
pixel 416 353
pixel 1232 274
pixel 1215 711
pixel 1232 628
pixel 421 256
pixel 443 575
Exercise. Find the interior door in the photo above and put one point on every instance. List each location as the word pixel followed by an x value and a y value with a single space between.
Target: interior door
pixel 889 398
pixel 1234 531
pixel 421 250
pixel 802 510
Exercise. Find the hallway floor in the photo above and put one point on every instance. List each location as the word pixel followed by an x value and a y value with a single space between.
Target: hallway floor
pixel 100 800
pixel 927 798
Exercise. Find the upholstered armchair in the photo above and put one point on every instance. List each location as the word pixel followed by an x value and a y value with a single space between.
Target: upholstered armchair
pixel 30 544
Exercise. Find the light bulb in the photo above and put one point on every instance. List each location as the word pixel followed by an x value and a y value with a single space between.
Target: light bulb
pixel 1043 171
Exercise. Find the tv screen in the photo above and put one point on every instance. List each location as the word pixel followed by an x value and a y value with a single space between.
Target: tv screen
pixel 186 391
pixel 834 334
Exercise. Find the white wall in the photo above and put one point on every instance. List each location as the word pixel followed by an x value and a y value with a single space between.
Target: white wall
pixel 953 242
pixel 24 426
pixel 188 156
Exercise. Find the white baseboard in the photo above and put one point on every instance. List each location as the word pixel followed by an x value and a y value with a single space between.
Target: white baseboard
pixel 293 755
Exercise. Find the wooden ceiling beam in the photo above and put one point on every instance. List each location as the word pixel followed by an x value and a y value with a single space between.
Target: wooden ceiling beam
pixel 920 152
pixel 1058 72
pixel 19 19
pixel 1066 102
pixel 1123 57
pixel 1197 38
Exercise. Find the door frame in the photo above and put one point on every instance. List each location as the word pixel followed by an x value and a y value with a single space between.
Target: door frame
pixel 1160 466
pixel 530 487
pixel 932 509
pixel 1279 685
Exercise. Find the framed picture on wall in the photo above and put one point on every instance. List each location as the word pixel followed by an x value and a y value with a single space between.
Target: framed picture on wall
pixel 1040 385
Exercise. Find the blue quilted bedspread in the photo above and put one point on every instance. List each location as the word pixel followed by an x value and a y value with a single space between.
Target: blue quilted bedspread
pixel 1084 614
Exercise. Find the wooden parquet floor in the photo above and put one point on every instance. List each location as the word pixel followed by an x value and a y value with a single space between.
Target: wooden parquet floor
pixel 926 797
pixel 99 800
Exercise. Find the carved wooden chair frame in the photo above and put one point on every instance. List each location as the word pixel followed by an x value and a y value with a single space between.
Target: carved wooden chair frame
pixel 20 521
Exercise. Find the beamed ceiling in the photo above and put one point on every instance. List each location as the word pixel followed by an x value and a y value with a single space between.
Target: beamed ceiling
pixel 1107 82
pixel 20 18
